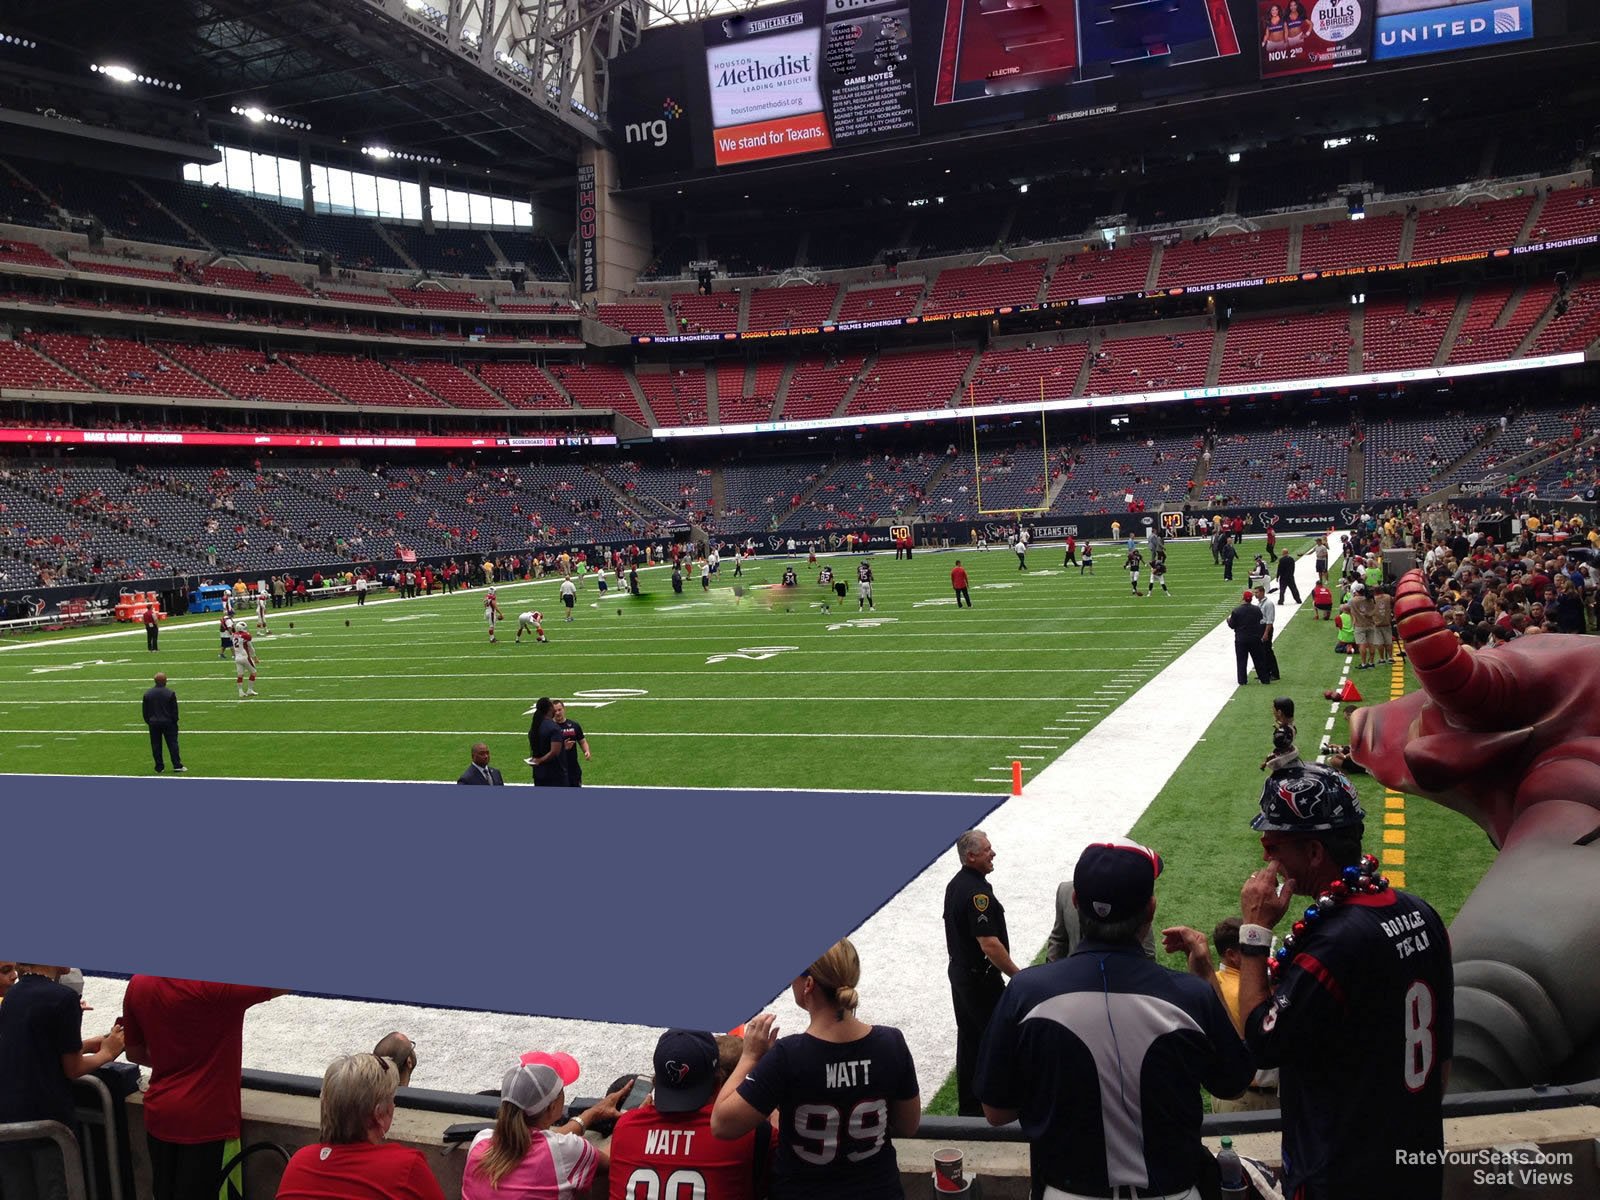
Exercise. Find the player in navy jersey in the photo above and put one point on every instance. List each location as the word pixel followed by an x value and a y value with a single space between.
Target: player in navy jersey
pixel 1360 1015
pixel 842 1089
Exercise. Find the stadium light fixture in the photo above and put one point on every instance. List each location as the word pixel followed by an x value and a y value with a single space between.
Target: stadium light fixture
pixel 1023 188
pixel 121 74
pixel 384 154
pixel 7 39
pixel 257 115
pixel 1234 156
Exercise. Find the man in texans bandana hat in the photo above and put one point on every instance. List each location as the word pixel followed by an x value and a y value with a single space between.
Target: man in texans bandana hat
pixel 671 1133
pixel 1357 1006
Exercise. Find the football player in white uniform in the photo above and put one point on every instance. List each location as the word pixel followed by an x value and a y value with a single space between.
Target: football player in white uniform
pixel 531 621
pixel 244 660
pixel 491 613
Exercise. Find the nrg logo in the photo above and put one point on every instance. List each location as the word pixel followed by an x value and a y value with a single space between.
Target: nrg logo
pixel 654 132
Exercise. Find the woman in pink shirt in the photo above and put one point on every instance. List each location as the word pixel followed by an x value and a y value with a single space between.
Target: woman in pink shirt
pixel 534 1152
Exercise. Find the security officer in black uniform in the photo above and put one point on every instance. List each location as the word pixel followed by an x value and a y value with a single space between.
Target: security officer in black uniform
pixel 980 954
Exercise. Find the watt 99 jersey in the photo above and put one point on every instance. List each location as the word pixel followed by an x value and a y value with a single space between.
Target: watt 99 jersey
pixel 834 1100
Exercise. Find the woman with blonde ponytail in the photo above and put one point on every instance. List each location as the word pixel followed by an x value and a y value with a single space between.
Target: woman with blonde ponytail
pixel 535 1151
pixel 842 1089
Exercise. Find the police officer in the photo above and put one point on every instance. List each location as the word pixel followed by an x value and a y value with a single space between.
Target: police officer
pixel 980 953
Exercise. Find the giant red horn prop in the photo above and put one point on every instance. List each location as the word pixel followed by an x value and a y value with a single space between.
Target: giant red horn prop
pixel 1463 685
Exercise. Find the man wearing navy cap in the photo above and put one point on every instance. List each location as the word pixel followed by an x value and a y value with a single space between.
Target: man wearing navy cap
pixel 1102 1054
pixel 668 1139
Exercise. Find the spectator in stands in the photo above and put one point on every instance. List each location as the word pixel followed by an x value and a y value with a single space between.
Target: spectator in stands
pixel 534 1151
pixel 352 1160
pixel 42 1050
pixel 191 1036
pixel 1262 1094
pixel 8 976
pixel 671 1132
pixel 1106 1115
pixel 839 1061
pixel 400 1050
pixel 1367 973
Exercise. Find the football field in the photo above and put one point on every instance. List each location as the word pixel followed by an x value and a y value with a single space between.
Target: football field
pixel 770 689
pixel 763 690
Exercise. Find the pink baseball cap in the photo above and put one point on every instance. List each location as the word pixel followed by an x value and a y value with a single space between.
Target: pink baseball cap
pixel 563 1065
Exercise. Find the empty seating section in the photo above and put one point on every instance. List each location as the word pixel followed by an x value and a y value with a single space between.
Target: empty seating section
pixel 1225 259
pixel 1480 341
pixel 21 367
pixel 1372 242
pixel 121 206
pixel 126 368
pixel 818 385
pixel 1101 273
pixel 1013 478
pixel 1283 464
pixel 457 385
pixel 676 396
pixel 352 242
pixel 350 295
pixel 249 374
pixel 362 381
pixel 1577 328
pixel 910 382
pixel 1017 373
pixel 241 280
pixel 439 299
pixel 595 386
pixel 1401 457
pixel 26 254
pixel 799 307
pixel 659 492
pixel 537 252
pixel 717 313
pixel 734 408
pixel 375 513
pixel 986 286
pixel 941 229
pixel 633 318
pixel 1469 228
pixel 130 268
pixel 222 217
pixel 892 302
pixel 1150 364
pixel 756 496
pixel 1571 212
pixel 860 491
pixel 445 251
pixel 57 522
pixel 524 385
pixel 1100 475
pixel 1296 347
pixel 1396 339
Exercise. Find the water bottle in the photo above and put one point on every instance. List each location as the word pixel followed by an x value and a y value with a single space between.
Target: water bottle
pixel 1231 1169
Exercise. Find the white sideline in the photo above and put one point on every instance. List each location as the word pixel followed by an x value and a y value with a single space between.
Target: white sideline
pixel 1038 837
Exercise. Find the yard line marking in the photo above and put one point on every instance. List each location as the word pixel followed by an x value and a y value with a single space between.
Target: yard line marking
pixel 1034 757
pixel 1040 745
pixel 222 681
pixel 1328 728
pixel 626 675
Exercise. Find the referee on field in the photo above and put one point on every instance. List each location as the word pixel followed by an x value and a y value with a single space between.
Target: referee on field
pixel 980 954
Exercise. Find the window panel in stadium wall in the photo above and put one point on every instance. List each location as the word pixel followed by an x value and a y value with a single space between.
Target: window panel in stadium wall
pixel 815 76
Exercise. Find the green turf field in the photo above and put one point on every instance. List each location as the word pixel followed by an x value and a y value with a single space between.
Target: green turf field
pixel 707 689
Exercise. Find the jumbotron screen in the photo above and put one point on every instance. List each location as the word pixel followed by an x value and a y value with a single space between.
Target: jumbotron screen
pixel 813 77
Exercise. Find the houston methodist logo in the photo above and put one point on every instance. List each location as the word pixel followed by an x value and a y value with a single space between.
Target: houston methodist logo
pixel 655 132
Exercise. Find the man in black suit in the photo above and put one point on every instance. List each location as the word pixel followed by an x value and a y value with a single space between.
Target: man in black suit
pixel 480 772
pixel 1245 621
pixel 1286 581
pixel 161 714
